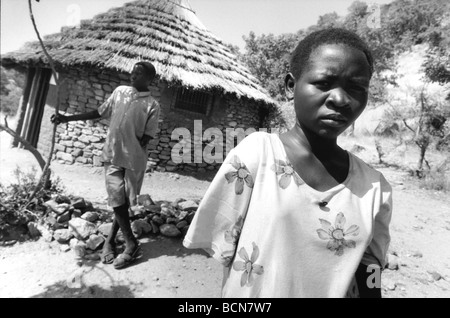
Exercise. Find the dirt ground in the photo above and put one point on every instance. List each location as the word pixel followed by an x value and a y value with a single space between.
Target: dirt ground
pixel 420 232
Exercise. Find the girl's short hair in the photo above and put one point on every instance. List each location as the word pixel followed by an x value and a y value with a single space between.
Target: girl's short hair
pixel 300 56
pixel 149 68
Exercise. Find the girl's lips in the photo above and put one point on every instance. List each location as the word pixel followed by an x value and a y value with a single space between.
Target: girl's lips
pixel 335 120
pixel 336 117
pixel 333 123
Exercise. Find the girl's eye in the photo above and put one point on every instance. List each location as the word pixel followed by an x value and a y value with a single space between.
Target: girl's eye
pixel 358 88
pixel 322 84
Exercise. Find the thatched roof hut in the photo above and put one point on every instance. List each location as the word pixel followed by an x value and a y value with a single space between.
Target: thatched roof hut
pixel 166 32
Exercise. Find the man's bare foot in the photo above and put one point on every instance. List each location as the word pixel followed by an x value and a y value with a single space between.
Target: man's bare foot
pixel 108 253
pixel 130 254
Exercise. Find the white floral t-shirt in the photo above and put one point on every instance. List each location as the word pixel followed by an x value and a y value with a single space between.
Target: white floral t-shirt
pixel 277 235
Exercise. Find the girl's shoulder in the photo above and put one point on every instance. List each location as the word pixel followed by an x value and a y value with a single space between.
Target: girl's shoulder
pixel 256 149
pixel 366 171
pixel 257 142
pixel 258 138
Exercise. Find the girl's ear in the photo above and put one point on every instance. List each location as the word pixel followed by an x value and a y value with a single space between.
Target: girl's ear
pixel 289 84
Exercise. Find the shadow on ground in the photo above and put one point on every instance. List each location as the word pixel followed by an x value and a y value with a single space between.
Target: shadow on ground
pixel 79 285
pixel 76 286
pixel 156 246
pixel 203 176
pixel 61 290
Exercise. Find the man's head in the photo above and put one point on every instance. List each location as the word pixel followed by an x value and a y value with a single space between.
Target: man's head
pixel 142 75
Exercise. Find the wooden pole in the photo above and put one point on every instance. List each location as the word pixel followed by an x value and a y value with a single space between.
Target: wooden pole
pixel 23 105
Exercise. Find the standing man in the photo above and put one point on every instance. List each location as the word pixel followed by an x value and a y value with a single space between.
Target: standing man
pixel 134 116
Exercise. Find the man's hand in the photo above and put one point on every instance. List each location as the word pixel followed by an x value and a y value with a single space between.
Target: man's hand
pixel 144 140
pixel 58 119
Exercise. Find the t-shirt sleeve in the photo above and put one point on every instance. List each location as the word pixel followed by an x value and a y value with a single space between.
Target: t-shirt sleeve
pixel 376 252
pixel 105 109
pixel 152 123
pixel 218 222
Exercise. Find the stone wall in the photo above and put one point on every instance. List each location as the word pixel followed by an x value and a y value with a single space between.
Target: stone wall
pixel 238 117
pixel 81 142
pixel 46 131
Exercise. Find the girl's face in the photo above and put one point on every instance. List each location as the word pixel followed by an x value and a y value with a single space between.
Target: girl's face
pixel 332 91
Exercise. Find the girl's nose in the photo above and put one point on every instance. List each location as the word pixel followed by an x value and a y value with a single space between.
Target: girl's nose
pixel 338 98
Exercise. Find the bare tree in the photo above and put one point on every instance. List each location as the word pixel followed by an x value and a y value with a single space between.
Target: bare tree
pixel 423 115
pixel 45 176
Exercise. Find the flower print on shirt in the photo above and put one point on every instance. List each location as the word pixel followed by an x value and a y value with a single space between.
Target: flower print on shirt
pixel 336 235
pixel 241 175
pixel 232 235
pixel 287 172
pixel 248 266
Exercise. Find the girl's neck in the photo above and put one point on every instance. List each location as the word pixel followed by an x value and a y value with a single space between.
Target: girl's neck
pixel 321 147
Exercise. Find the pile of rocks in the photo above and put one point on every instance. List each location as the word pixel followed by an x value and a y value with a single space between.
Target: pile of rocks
pixel 77 225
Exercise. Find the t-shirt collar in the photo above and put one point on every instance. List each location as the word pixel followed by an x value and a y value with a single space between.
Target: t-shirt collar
pixel 140 94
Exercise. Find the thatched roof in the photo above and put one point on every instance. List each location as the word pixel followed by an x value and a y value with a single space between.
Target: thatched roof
pixel 165 32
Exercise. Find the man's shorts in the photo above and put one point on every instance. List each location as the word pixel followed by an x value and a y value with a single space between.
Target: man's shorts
pixel 122 185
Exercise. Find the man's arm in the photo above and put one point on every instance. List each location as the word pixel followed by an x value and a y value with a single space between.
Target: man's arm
pixel 151 125
pixel 144 140
pixel 59 118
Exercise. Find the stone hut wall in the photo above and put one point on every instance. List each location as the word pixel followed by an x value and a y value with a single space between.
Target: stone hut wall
pixel 82 142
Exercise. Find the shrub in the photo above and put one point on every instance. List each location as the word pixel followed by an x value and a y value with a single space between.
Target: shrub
pixel 14 216
pixel 11 88
pixel 435 181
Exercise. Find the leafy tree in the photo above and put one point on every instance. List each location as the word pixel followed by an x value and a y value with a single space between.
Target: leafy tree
pixel 402 24
pixel 12 83
pixel 424 114
pixel 357 13
pixel 411 22
pixel 437 63
pixel 267 57
pixel 328 20
pixel 4 83
pixel 234 49
pixel 407 23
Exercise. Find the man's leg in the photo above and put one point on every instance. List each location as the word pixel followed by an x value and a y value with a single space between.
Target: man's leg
pixel 113 183
pixel 109 247
pixel 123 219
pixel 133 184
pixel 117 199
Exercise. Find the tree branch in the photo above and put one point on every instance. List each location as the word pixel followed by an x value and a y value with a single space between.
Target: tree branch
pixel 50 59
pixel 25 143
pixel 43 181
pixel 400 116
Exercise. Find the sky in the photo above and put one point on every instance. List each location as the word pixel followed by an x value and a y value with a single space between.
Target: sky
pixel 229 20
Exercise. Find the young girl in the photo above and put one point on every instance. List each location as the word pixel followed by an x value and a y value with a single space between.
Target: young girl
pixel 295 215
